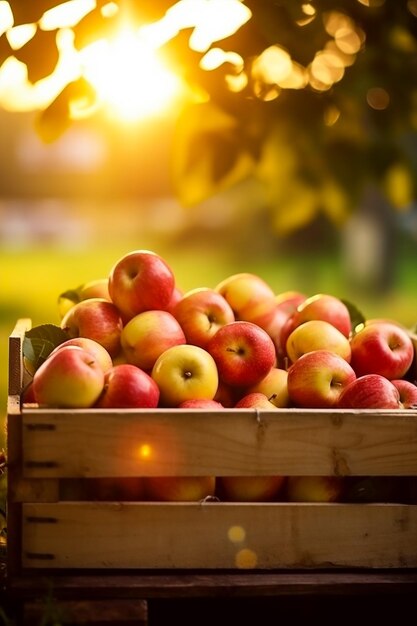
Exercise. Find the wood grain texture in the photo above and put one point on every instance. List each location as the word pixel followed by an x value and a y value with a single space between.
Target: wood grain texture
pixel 218 535
pixel 230 442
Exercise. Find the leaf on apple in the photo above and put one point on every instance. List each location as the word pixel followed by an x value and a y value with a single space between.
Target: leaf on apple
pixel 356 316
pixel 39 342
pixel 71 294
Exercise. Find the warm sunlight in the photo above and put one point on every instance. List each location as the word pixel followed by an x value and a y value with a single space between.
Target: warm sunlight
pixel 129 77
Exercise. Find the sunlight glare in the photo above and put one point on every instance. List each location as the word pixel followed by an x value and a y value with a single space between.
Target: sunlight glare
pixel 19 35
pixel 129 76
pixel 66 15
pixel 6 17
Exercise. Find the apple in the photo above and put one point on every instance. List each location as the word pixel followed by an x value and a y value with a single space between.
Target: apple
pixel 177 294
pixel 179 488
pixel 201 403
pixel 128 387
pixel 93 347
pixel 289 300
pixel 227 395
pixel 315 488
pixel 128 489
pixel 201 312
pixel 408 393
pixel 95 318
pixel 97 288
pixel 249 488
pixel 324 307
pixel 255 400
pixel 274 328
pixel 147 335
pixel 185 372
pixel 382 348
pixel 275 386
pixel 250 297
pixel 244 353
pixel 317 379
pixel 370 391
pixel 139 281
pixel 317 335
pixel 70 378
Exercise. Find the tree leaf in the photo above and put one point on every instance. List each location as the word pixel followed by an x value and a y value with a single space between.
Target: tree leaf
pixel 39 342
pixel 40 54
pixel 356 316
pixel 30 12
pixel 5 49
pixel 55 119
pixel 208 153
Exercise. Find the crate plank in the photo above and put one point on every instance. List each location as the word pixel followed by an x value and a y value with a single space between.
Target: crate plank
pixel 230 442
pixel 213 535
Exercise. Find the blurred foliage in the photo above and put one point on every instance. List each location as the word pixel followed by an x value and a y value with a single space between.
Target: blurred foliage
pixel 318 100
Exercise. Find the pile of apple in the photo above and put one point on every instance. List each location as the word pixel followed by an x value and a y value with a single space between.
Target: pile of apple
pixel 136 341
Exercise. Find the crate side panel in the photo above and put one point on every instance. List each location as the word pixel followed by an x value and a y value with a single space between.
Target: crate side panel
pixel 218 535
pixel 230 442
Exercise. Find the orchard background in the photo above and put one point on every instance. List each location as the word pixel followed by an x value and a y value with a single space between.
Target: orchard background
pixel 272 137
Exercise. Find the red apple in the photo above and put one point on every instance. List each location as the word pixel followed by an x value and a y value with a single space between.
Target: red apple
pixel 408 393
pixel 324 307
pixel 288 301
pixel 128 387
pixel 185 372
pixel 147 335
pixel 95 318
pixel 201 403
pixel 244 353
pixel 317 335
pixel 371 391
pixel 317 379
pixel 315 488
pixel 140 281
pixel 179 489
pixel 382 348
pixel 275 386
pixel 255 400
pixel 201 312
pixel 70 378
pixel 93 347
pixel 250 488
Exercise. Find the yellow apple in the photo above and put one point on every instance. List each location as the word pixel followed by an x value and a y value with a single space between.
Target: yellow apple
pixel 185 372
pixel 317 335
pixel 275 386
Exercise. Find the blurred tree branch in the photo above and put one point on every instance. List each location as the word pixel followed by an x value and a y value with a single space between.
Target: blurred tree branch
pixel 322 102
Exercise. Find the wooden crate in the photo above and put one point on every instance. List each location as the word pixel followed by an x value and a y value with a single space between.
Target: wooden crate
pixel 49 447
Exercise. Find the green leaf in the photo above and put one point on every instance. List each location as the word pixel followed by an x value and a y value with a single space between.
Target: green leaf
pixel 71 294
pixel 356 316
pixel 39 342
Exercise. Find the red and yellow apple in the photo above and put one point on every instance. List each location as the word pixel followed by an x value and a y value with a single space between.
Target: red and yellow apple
pixel 317 379
pixel 408 393
pixel 93 347
pixel 370 391
pixel 140 281
pixel 315 488
pixel 147 335
pixel 382 348
pixel 250 297
pixel 97 319
pixel 69 378
pixel 275 386
pixel 128 387
pixel 201 312
pixel 244 353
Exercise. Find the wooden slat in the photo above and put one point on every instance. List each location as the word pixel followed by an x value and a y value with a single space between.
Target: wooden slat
pixel 16 370
pixel 213 535
pixel 208 584
pixel 230 442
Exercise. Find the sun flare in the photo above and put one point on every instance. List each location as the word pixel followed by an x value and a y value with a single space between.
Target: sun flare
pixel 129 76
